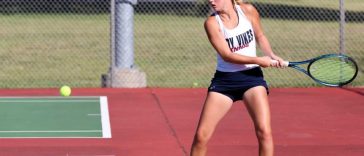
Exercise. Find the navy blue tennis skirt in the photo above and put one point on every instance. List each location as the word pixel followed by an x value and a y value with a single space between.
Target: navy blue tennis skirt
pixel 235 84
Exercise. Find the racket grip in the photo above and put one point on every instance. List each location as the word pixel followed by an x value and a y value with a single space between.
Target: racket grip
pixel 285 63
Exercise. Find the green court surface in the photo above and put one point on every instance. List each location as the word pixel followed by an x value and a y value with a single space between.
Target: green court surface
pixel 54 117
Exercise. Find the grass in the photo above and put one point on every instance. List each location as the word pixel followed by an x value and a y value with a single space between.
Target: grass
pixel 51 50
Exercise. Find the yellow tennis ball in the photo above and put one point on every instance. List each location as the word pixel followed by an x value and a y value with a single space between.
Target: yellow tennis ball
pixel 65 91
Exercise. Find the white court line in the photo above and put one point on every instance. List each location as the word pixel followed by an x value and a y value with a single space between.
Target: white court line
pixel 105 121
pixel 51 97
pixel 47 101
pixel 67 131
pixel 70 137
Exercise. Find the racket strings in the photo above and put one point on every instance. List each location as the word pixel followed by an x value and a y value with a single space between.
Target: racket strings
pixel 334 70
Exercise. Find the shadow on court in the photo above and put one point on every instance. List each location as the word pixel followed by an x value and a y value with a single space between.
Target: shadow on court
pixel 161 122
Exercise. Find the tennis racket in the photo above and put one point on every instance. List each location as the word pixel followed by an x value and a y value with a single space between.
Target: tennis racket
pixel 333 70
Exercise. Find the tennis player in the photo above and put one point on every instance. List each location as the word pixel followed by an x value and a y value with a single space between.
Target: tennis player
pixel 233 30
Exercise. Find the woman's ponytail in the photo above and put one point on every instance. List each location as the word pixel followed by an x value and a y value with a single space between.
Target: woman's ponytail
pixel 236 1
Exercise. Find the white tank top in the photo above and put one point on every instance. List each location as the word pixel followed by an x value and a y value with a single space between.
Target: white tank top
pixel 241 40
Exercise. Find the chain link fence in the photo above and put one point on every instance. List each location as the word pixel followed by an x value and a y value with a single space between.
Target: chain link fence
pixel 48 43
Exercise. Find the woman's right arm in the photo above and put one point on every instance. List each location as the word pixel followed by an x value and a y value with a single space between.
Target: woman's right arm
pixel 218 42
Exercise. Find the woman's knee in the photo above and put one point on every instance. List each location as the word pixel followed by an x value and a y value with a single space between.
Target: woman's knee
pixel 203 136
pixel 264 134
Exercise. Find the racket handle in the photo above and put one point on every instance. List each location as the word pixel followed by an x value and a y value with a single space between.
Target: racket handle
pixel 285 63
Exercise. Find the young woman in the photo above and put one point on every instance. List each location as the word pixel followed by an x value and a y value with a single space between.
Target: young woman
pixel 233 30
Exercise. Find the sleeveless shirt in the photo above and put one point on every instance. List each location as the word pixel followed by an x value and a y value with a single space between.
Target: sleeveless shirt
pixel 241 40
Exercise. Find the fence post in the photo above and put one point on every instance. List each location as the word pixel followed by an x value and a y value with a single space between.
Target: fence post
pixel 123 73
pixel 342 27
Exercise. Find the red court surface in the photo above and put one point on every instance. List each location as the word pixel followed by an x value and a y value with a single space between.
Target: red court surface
pixel 161 122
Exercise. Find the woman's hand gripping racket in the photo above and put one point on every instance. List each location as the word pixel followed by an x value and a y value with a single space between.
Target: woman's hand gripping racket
pixel 331 70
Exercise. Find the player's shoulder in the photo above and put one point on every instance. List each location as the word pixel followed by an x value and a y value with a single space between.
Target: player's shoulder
pixel 211 20
pixel 248 8
pixel 212 17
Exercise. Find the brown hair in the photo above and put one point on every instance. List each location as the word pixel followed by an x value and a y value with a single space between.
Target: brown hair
pixel 235 1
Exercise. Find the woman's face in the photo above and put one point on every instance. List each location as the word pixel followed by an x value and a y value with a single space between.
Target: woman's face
pixel 218 5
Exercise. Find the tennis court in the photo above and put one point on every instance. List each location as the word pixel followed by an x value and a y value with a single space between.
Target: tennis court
pixel 52 116
pixel 160 50
pixel 162 121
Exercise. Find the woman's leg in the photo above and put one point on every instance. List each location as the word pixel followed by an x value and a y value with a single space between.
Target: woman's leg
pixel 256 101
pixel 215 107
